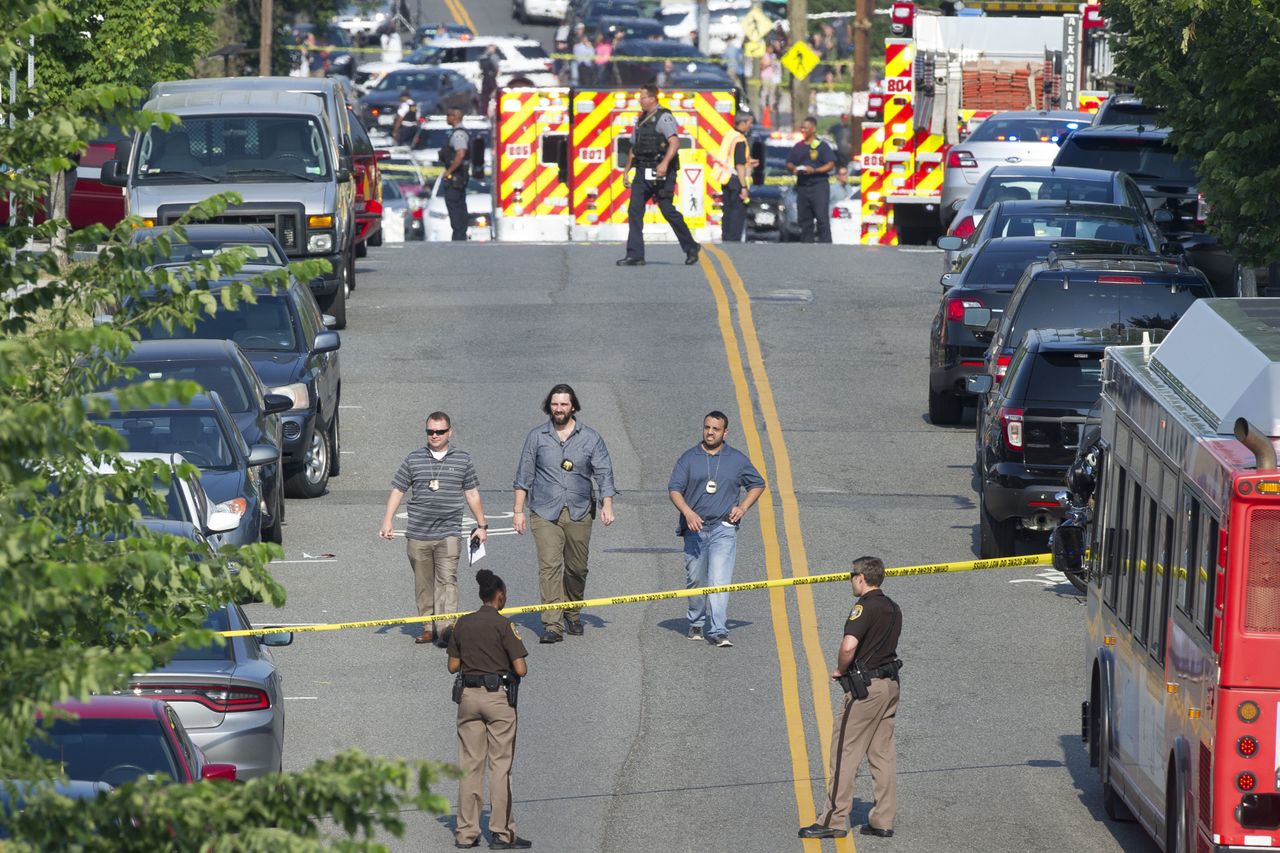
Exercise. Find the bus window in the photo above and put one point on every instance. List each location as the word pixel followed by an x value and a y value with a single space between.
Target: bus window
pixel 1185 588
pixel 1145 576
pixel 1159 624
pixel 1111 553
pixel 1206 581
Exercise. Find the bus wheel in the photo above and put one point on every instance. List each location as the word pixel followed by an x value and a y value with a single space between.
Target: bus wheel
pixel 1175 831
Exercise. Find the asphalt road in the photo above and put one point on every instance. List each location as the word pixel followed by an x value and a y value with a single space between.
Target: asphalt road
pixel 632 737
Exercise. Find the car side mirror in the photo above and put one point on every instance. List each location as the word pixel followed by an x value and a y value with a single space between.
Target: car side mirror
pixel 342 175
pixel 948 280
pixel 977 318
pixel 221 522
pixel 979 383
pixel 221 772
pixel 950 243
pixel 280 638
pixel 113 175
pixel 263 454
pixel 326 342
pixel 277 403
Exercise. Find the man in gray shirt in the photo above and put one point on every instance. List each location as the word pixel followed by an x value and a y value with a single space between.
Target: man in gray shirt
pixel 557 465
pixel 438 479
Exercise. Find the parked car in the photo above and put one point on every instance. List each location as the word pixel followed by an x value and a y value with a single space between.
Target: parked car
pixel 284 337
pixel 337 58
pixel 542 11
pixel 408 210
pixel 183 502
pixel 1028 138
pixel 1170 186
pixel 206 435
pixel 221 366
pixel 433 89
pixel 1035 183
pixel 442 31
pixel 229 696
pixel 1031 425
pixel 206 239
pixel 517 57
pixel 479 212
pixel 629 27
pixel 765 212
pixel 367 175
pixel 433 132
pixel 117 739
pixel 655 52
pixel 1089 293
pixel 957 350
pixel 1126 109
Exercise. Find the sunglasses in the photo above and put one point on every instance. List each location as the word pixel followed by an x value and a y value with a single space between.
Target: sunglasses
pixel 437 431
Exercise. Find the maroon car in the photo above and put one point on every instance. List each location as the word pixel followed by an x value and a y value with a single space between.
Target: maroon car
pixel 89 201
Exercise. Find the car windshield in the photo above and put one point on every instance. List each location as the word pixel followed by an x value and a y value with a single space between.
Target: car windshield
pixel 199 250
pixel 209 375
pixel 1090 305
pixel 995 268
pixel 195 434
pixel 415 81
pixel 217 620
pixel 1119 229
pixel 434 137
pixel 532 51
pixel 266 326
pixel 1143 159
pixel 391 189
pixel 997 129
pixel 1041 189
pixel 111 751
pixel 1068 377
pixel 233 147
pixel 1131 112
pixel 425 56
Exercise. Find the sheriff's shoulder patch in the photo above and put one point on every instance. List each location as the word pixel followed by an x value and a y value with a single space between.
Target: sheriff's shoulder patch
pixel 516 631
pixel 855 612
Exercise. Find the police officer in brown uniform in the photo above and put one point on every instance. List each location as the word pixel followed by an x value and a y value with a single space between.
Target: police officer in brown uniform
pixel 488 656
pixel 867 668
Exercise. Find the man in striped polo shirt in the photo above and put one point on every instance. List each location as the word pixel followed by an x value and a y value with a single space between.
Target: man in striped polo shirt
pixel 437 478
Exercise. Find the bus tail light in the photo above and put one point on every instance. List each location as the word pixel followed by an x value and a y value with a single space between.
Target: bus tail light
pixel 1247 746
pixel 1246 781
pixel 1011 427
pixel 1248 711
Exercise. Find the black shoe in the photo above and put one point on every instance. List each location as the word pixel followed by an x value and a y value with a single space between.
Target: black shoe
pixel 692 258
pixel 551 637
pixel 475 842
pixel 573 627
pixel 879 833
pixel 516 843
pixel 817 830
pixel 629 261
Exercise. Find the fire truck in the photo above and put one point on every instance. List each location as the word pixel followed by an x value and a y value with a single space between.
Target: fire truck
pixel 942 75
pixel 559 154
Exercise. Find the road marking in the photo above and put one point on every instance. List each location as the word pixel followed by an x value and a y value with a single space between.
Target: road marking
pixel 310 560
pixel 351 407
pixel 796 741
pixel 819 674
pixel 460 14
pixel 300 697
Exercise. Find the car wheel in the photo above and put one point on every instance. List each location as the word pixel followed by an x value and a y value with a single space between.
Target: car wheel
pixel 312 477
pixel 275 533
pixel 335 305
pixel 376 239
pixel 944 408
pixel 335 445
pixel 362 249
pixel 349 272
pixel 996 537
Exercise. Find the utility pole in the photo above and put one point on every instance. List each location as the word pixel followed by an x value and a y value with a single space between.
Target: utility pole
pixel 264 45
pixel 798 18
pixel 861 65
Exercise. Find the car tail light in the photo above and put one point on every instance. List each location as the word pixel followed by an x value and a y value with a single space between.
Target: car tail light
pixel 373 111
pixel 226 700
pixel 841 213
pixel 1002 365
pixel 1011 427
pixel 1202 209
pixel 956 307
pixel 959 159
pixel 964 228
pixel 1119 279
pixel 373 207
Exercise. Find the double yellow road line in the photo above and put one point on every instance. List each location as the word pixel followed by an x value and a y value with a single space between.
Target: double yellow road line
pixel 461 15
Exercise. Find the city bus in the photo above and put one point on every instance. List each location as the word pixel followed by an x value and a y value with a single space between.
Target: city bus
pixel 1183 590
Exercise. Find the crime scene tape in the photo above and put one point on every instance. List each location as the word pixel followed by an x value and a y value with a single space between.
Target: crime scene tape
pixel 641 598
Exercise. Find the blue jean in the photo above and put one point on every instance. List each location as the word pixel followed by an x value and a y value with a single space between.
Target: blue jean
pixel 708 561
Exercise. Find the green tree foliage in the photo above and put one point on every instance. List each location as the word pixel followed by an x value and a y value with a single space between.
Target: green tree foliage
pixel 1214 65
pixel 88 598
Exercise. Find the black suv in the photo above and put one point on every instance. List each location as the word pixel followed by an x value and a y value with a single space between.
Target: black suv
pixel 987 279
pixel 284 338
pixel 1168 182
pixel 1089 293
pixel 1031 425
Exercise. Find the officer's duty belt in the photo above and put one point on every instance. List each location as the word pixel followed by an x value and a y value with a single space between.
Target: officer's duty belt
pixel 483 681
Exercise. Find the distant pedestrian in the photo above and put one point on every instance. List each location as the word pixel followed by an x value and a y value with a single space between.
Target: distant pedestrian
pixel 811 160
pixel 770 80
pixel 405 124
pixel 438 480
pixel 583 62
pixel 707 486
pixel 655 141
pixel 603 60
pixel 733 63
pixel 490 65
pixel 730 166
pixel 455 156
pixel 558 464
pixel 489 659
pixel 844 188
pixel 867 668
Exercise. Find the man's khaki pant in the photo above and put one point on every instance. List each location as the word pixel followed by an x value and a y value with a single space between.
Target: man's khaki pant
pixel 562 562
pixel 486 737
pixel 864 728
pixel 435 577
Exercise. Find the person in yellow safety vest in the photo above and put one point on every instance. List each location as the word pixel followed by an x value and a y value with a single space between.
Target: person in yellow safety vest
pixel 731 163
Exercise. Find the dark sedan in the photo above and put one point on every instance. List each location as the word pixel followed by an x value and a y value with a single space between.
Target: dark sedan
pixel 221 366
pixel 284 338
pixel 650 55
pixel 955 350
pixel 206 435
pixel 434 90
pixel 206 239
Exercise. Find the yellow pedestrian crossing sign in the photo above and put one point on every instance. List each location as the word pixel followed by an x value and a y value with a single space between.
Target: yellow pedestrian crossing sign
pixel 756 24
pixel 800 60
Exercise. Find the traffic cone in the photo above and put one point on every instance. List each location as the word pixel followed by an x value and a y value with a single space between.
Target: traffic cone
pixel 766 117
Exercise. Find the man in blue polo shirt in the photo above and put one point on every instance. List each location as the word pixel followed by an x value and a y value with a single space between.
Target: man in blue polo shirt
pixel 705 487
pixel 811 160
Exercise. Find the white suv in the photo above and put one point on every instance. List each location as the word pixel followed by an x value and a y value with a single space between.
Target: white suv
pixel 547 11
pixel 518 57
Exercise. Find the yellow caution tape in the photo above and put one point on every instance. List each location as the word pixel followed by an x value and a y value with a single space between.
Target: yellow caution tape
pixel 902 571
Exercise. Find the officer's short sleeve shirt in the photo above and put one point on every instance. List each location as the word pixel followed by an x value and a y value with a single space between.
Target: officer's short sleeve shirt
pixel 486 642
pixel 668 126
pixel 875 622
pixel 459 140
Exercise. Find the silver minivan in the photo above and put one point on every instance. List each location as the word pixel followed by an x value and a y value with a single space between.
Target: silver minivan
pixel 276 149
